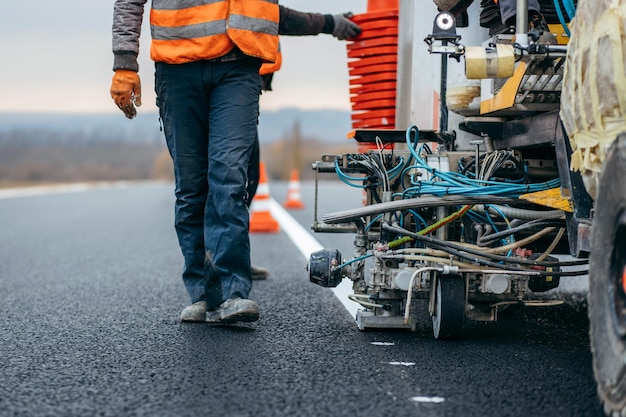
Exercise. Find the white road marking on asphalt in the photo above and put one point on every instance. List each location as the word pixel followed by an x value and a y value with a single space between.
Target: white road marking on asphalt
pixel 428 399
pixel 307 244
pixel 402 363
pixel 383 343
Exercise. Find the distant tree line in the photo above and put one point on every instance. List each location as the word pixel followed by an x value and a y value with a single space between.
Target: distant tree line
pixel 40 156
pixel 50 156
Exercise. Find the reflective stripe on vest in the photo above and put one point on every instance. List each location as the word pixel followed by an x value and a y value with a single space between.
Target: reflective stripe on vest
pixel 191 30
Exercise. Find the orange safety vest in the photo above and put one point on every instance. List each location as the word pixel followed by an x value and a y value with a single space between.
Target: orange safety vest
pixel 206 29
pixel 271 67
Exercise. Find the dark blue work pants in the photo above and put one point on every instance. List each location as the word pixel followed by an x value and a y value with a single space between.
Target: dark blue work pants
pixel 209 111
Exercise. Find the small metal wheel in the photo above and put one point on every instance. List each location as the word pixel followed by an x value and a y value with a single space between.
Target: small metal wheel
pixel 449 311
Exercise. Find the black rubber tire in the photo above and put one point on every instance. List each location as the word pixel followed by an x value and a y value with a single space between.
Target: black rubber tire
pixel 607 296
pixel 449 312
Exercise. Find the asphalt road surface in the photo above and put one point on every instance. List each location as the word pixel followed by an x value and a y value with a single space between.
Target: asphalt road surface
pixel 90 295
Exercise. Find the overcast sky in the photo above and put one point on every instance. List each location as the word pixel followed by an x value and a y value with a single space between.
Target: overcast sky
pixel 56 57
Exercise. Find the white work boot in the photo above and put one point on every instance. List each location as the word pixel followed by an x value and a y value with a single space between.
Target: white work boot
pixel 258 272
pixel 234 310
pixel 194 312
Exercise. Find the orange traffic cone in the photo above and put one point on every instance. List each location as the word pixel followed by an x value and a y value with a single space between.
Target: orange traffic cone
pixel 294 198
pixel 261 219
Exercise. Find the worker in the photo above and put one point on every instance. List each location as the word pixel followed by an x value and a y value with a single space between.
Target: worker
pixel 294 23
pixel 207 62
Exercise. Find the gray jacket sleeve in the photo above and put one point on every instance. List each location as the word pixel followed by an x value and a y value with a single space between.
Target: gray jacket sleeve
pixel 127 19
pixel 296 23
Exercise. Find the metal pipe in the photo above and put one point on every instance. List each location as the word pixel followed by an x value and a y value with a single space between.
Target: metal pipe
pixel 406 34
pixel 409 293
pixel 351 215
pixel 442 232
pixel 443 88
pixel 316 193
pixel 521 23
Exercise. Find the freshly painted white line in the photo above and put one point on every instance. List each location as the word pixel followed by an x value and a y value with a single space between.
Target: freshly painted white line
pixel 298 234
pixel 307 244
pixel 435 400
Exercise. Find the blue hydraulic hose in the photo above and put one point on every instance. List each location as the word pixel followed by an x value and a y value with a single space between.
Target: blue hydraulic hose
pixel 374 220
pixel 570 8
pixel 410 143
pixel 346 179
pixel 559 13
pixel 453 183
pixel 418 217
pixel 360 258
pixel 395 170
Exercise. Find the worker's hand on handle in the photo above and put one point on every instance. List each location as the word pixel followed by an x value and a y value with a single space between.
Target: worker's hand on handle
pixel 344 27
pixel 126 91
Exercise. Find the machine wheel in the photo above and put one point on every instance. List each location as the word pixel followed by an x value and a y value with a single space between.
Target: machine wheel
pixel 449 311
pixel 607 283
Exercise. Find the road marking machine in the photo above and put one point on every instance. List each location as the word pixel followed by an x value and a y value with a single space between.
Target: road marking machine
pixel 497 172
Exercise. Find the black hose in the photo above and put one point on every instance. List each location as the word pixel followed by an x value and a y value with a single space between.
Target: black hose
pixel 463 252
pixel 485 240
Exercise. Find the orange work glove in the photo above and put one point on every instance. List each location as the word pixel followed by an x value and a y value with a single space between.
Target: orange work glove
pixel 126 91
